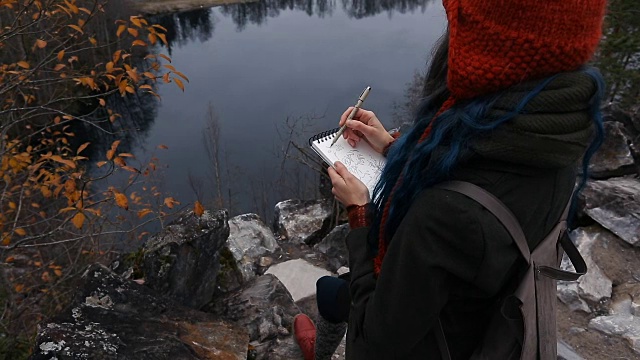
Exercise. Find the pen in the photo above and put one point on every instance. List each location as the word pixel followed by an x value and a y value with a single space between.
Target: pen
pixel 363 96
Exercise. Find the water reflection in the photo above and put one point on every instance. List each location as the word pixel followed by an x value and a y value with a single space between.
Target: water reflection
pixel 197 24
pixel 186 26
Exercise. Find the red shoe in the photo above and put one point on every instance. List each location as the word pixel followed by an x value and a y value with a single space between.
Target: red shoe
pixel 305 333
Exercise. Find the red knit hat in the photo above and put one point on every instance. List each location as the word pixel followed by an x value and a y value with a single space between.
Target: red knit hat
pixel 495 44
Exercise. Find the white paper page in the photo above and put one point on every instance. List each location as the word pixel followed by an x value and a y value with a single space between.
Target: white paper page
pixel 362 161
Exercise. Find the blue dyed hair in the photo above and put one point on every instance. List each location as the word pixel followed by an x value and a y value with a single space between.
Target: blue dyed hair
pixel 420 167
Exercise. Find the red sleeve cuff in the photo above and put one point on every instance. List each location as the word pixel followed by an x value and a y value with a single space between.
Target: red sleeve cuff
pixel 358 216
pixel 395 135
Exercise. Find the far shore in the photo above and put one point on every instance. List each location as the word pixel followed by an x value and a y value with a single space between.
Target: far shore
pixel 154 7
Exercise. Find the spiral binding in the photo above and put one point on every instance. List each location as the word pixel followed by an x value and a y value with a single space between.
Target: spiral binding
pixel 323 136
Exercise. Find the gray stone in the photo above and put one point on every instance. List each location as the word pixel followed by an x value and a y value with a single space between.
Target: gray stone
pixel 568 294
pixel 134 324
pixel 594 286
pixel 614 157
pixel 565 352
pixel 182 261
pixel 626 326
pixel 247 248
pixel 333 245
pixel 298 276
pixel 615 204
pixel 303 221
pixel 626 299
pixel 265 308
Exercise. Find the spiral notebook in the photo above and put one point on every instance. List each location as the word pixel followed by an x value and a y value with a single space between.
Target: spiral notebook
pixel 362 161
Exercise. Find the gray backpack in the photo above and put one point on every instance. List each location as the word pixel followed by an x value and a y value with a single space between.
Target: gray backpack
pixel 524 324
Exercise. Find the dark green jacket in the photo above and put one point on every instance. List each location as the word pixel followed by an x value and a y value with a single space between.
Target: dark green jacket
pixel 449 258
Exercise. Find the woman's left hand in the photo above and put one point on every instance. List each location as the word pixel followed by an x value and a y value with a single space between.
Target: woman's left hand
pixel 346 187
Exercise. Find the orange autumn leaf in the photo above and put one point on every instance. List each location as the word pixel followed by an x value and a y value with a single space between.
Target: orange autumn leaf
pixel 170 202
pixel 58 158
pixel 58 272
pixel 142 213
pixel 78 220
pixel 179 83
pixel 121 28
pixel 119 161
pixel 19 288
pixel 121 200
pixel 41 43
pixel 83 146
pixel 198 209
pixel 60 55
pixel 23 64
pixel 20 231
pixel 138 43
pixel 76 28
pixel 9 259
pixel 163 146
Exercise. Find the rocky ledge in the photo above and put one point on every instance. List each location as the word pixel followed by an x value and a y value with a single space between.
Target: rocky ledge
pixel 211 287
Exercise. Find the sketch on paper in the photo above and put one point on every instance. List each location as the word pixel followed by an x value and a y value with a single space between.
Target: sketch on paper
pixel 362 161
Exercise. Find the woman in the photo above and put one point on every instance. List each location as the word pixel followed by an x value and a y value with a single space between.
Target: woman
pixel 509 107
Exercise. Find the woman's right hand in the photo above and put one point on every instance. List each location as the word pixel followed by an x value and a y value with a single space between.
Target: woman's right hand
pixel 365 125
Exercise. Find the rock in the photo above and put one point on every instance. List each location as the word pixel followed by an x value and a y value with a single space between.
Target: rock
pixel 114 318
pixel 627 299
pixel 333 245
pixel 565 352
pixel 568 294
pixel 265 308
pixel 247 248
pixel 615 204
pixel 626 326
pixel 622 321
pixel 614 157
pixel 594 286
pixel 298 276
pixel 182 261
pixel 303 221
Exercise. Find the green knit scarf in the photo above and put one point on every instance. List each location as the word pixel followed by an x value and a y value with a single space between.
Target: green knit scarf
pixel 554 129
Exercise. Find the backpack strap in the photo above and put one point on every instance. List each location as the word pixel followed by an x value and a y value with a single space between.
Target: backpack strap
pixel 511 224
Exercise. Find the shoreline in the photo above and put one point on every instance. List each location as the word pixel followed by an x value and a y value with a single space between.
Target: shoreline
pixel 160 7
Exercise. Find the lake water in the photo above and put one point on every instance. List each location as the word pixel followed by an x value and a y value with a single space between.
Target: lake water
pixel 257 65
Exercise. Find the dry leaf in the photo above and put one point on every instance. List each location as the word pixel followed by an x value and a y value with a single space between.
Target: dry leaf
pixel 119 161
pixel 142 213
pixel 83 146
pixel 78 220
pixel 121 28
pixel 121 200
pixel 23 64
pixel 162 146
pixel 58 272
pixel 20 231
pixel 179 83
pixel 76 28
pixel 198 209
pixel 170 202
pixel 41 43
